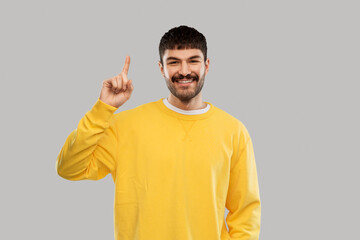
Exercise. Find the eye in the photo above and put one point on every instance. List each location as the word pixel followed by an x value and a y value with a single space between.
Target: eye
pixel 194 61
pixel 172 63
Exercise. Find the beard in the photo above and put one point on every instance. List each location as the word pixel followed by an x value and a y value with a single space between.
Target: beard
pixel 185 93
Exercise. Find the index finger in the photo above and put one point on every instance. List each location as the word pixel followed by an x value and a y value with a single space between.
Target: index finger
pixel 127 64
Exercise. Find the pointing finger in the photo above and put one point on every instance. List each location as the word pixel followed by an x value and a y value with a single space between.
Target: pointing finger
pixel 124 81
pixel 127 64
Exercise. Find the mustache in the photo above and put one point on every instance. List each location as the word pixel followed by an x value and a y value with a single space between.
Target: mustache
pixel 188 76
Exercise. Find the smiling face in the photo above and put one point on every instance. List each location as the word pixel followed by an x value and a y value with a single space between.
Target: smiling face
pixel 184 71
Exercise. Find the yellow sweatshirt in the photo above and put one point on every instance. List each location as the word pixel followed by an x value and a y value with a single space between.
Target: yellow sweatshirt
pixel 174 174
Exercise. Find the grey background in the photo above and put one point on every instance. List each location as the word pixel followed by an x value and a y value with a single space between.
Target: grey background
pixel 289 70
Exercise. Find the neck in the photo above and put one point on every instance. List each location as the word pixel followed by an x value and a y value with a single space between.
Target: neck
pixel 194 104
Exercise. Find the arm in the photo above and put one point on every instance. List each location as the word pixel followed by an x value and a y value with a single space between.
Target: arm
pixel 243 199
pixel 89 151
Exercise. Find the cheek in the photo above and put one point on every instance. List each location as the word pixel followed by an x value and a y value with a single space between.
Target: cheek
pixel 200 71
pixel 168 73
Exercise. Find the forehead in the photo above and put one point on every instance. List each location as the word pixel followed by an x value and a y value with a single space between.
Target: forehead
pixel 182 53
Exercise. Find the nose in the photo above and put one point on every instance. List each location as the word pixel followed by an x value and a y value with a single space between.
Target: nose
pixel 185 69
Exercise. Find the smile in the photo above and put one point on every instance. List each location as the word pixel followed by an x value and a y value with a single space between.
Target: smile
pixel 184 83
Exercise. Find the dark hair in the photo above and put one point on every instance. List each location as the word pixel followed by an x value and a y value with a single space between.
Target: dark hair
pixel 182 37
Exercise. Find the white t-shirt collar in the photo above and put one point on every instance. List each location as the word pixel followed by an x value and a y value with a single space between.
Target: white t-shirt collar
pixel 187 112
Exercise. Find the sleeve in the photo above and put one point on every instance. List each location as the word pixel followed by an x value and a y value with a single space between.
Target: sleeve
pixel 243 199
pixel 89 151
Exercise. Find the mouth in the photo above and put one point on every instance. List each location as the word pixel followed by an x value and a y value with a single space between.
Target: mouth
pixel 185 82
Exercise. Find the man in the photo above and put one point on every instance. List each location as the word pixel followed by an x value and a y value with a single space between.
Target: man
pixel 176 162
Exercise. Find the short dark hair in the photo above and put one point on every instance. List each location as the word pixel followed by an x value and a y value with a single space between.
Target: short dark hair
pixel 182 37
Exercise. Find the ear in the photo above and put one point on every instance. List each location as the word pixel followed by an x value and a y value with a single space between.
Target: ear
pixel 161 68
pixel 207 62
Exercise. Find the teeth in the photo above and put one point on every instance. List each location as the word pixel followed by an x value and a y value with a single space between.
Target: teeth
pixel 186 81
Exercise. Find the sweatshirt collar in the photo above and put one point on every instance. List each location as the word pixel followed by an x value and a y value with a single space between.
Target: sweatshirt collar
pixel 195 115
pixel 186 112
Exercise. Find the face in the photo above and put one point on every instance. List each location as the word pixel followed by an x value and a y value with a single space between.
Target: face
pixel 184 71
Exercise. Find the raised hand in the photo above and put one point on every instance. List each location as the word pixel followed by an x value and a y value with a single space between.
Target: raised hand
pixel 117 90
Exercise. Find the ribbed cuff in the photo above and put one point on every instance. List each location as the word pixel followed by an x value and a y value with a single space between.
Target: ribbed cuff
pixel 107 105
pixel 101 112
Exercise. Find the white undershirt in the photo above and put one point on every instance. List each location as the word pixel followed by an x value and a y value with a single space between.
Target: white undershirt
pixel 187 112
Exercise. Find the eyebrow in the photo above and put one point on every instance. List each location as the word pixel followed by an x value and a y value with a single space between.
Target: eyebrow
pixel 174 58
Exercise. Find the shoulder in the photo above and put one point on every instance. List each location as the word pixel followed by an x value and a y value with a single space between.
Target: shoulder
pixel 229 118
pixel 136 112
pixel 231 122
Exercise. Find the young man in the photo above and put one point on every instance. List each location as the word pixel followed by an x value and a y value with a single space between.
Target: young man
pixel 176 162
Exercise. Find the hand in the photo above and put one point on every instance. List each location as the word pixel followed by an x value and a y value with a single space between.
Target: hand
pixel 117 90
